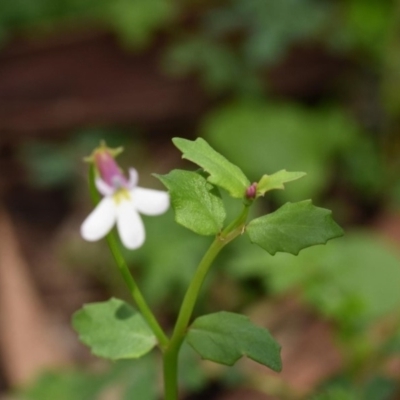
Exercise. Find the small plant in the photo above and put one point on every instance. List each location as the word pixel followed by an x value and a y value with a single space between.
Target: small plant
pixel 114 330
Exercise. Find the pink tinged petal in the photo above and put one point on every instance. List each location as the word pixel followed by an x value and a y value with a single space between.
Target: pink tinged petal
pixel 133 178
pixel 130 226
pixel 104 188
pixel 150 201
pixel 100 221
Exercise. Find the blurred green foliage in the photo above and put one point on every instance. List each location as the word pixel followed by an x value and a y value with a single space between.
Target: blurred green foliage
pixel 129 379
pixel 235 39
pixel 52 164
pixel 231 39
pixel 340 279
pixel 367 24
pixel 378 388
pixel 134 20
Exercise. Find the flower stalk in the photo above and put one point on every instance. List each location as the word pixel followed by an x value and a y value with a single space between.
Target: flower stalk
pixel 126 274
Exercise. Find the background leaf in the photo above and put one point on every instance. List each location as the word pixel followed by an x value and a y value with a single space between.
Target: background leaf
pixel 131 378
pixel 137 21
pixel 197 203
pixel 222 172
pixel 112 329
pixel 78 385
pixel 225 337
pixel 343 279
pixel 293 227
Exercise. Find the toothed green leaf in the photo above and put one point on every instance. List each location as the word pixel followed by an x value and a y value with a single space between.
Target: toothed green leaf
pixel 225 337
pixel 196 202
pixel 276 181
pixel 293 227
pixel 222 172
pixel 114 330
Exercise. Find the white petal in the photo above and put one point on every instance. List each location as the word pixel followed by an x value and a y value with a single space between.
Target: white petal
pixel 133 178
pixel 150 201
pixel 130 225
pixel 100 220
pixel 103 187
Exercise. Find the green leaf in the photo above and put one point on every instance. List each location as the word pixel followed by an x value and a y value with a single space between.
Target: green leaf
pixel 225 337
pixel 197 204
pixel 276 181
pixel 112 329
pixel 293 227
pixel 222 172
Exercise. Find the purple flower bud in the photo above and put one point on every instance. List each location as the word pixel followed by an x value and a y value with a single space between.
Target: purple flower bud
pixel 108 169
pixel 251 191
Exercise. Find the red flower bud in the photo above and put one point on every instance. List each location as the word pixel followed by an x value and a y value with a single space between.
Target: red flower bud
pixel 251 191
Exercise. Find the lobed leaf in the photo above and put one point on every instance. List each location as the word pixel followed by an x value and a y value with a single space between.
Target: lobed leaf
pixel 114 330
pixel 276 181
pixel 293 227
pixel 225 337
pixel 222 172
pixel 197 204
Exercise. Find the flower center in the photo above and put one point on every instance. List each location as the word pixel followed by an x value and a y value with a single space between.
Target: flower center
pixel 120 195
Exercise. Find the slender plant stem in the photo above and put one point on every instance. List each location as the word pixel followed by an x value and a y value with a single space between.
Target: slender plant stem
pixel 170 370
pixel 136 293
pixel 127 276
pixel 170 356
pixel 172 351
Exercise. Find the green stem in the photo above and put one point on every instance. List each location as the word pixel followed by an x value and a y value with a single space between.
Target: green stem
pixel 127 276
pixel 170 356
pixel 135 292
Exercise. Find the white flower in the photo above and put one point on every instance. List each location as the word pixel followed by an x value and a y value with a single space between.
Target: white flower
pixel 122 202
